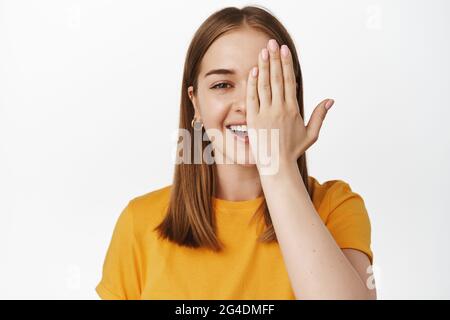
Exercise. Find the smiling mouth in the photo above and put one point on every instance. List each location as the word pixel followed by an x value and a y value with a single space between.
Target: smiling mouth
pixel 240 132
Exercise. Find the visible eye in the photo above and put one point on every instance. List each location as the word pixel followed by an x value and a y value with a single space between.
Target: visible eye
pixel 221 85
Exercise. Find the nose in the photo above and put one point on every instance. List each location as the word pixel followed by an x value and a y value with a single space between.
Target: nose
pixel 239 99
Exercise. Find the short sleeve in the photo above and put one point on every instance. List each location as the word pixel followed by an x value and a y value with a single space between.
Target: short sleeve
pixel 121 267
pixel 348 220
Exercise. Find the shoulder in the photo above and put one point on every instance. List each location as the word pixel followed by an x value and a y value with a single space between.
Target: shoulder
pixel 148 209
pixel 155 198
pixel 345 215
pixel 331 194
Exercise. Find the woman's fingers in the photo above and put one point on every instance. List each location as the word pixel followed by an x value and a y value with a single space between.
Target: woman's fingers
pixel 276 73
pixel 316 120
pixel 264 91
pixel 290 85
pixel 252 94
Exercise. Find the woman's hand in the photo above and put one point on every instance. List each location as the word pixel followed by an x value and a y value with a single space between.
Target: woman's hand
pixel 272 104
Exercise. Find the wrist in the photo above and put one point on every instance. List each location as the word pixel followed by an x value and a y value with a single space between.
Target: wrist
pixel 282 169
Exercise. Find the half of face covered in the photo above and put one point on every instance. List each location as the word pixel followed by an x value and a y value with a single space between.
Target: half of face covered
pixel 220 102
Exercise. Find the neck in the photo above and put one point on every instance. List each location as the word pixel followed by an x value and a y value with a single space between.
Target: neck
pixel 237 182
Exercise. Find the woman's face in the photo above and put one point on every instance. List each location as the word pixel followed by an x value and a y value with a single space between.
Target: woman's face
pixel 221 96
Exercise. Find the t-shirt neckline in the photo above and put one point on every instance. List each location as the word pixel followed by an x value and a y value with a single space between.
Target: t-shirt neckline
pixel 240 205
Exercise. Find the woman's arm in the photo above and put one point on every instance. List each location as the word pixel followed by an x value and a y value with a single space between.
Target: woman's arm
pixel 317 267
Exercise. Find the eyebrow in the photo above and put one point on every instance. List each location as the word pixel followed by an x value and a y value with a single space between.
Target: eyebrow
pixel 220 71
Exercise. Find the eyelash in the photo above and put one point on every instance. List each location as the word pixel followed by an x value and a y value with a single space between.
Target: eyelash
pixel 215 86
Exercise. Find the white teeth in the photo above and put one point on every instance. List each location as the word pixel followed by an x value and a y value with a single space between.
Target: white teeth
pixel 242 128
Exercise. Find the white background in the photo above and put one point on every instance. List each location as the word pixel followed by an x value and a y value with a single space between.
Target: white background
pixel 90 95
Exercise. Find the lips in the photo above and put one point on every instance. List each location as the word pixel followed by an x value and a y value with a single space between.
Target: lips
pixel 238 132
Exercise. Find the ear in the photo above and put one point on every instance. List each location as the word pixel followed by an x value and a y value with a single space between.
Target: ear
pixel 194 101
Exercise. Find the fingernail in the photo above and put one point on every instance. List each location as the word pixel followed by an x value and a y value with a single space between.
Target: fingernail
pixel 265 54
pixel 284 50
pixel 273 46
pixel 329 103
pixel 255 71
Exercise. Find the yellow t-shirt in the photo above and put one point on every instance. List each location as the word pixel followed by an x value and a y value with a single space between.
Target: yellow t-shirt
pixel 139 265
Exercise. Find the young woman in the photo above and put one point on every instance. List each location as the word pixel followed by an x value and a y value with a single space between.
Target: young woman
pixel 234 229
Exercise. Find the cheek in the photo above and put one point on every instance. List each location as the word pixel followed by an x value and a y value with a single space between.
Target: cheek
pixel 213 113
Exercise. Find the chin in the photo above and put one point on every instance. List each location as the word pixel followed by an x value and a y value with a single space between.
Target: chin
pixel 245 161
pixel 247 165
